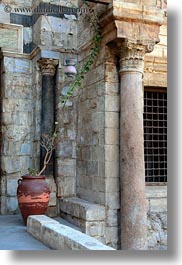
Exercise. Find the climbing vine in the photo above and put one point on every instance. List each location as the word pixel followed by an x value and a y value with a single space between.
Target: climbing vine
pixel 94 23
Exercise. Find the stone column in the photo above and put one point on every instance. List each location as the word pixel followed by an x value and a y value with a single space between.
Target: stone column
pixel 48 68
pixel 132 171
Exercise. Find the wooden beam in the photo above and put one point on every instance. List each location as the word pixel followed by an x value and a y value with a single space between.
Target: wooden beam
pixel 105 2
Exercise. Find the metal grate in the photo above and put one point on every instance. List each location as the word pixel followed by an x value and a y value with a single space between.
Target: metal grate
pixel 155 136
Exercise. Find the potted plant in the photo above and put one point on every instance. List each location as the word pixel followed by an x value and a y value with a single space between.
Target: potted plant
pixel 33 192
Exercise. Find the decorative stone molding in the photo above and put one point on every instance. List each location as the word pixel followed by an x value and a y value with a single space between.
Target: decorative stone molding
pixel 124 20
pixel 132 55
pixel 48 66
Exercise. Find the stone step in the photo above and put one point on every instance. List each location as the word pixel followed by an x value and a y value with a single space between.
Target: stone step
pixel 61 237
pixel 82 209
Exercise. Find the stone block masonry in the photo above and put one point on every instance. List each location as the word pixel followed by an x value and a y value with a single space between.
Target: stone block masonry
pixel 97 146
pixel 157 217
pixel 87 158
pixel 11 36
pixel 88 216
pixel 21 101
pixel 16 127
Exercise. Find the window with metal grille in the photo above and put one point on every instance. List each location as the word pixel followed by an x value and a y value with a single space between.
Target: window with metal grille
pixel 155 135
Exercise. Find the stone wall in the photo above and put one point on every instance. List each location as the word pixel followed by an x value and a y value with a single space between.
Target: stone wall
pixel 156 61
pixel 87 156
pixel 98 120
pixel 66 149
pixel 156 76
pixel 21 82
pixel 98 142
pixel 16 127
pixel 157 217
pixel 98 134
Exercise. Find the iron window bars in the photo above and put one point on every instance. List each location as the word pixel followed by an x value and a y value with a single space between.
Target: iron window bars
pixel 155 135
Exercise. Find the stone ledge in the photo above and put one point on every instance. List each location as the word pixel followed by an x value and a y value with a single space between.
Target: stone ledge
pixel 82 209
pixel 154 192
pixel 61 237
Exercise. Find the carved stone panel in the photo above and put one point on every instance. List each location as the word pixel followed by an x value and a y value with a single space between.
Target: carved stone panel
pixel 11 37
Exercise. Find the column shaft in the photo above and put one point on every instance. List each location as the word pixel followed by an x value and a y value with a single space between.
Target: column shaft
pixel 48 68
pixel 132 171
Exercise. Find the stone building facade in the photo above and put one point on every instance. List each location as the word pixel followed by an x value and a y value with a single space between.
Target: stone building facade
pixel 98 174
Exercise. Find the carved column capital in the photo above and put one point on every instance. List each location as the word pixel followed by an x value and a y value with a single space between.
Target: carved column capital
pixel 132 55
pixel 48 66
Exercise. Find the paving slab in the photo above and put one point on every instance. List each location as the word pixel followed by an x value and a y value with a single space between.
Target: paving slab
pixel 13 235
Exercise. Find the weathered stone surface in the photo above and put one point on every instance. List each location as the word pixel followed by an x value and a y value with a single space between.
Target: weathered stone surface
pixel 112 185
pixel 112 136
pixel 111 153
pixel 22 66
pixel 58 236
pixel 113 200
pixel 10 164
pixel 95 229
pixel 37 222
pixel 157 205
pixel 26 149
pixel 19 91
pixel 112 218
pixel 17 132
pixel 3 185
pixel 66 186
pixel 83 209
pixel 55 32
pixel 98 184
pixel 11 36
pixel 65 149
pixel 66 167
pixel 3 204
pixel 18 105
pixel 112 236
pixel 12 204
pixel 52 211
pixel 112 103
pixel 156 192
pixel 157 231
pixel 52 185
pixel 5 17
pixel 12 184
pixel 27 35
pixel 25 163
pixel 87 160
pixel 111 119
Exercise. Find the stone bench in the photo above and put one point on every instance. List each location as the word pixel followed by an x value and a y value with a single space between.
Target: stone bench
pixel 90 217
pixel 61 237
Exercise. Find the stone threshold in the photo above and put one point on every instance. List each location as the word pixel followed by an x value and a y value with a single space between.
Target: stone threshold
pixel 61 237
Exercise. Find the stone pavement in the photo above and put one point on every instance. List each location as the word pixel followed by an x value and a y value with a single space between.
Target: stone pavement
pixel 13 235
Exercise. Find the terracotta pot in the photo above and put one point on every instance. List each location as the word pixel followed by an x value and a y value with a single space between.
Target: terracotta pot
pixel 33 196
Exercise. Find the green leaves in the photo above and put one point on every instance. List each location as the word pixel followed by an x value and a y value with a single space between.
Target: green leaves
pixel 32 172
pixel 94 23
